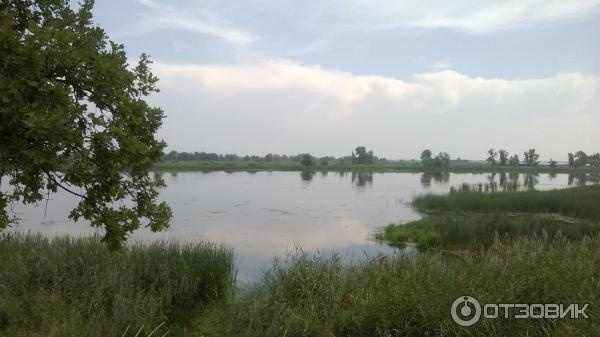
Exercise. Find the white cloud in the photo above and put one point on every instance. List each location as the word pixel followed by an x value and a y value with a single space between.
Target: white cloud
pixel 287 107
pixel 447 86
pixel 160 16
pixel 470 16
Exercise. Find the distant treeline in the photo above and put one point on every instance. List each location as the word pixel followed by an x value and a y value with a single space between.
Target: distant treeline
pixel 174 155
pixel 531 156
pixel 359 156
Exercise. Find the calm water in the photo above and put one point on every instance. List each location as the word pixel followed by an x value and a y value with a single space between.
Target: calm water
pixel 265 214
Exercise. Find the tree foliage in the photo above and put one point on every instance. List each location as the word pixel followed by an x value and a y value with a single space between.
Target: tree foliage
pixel 503 160
pixel 581 158
pixel 492 156
pixel 73 117
pixel 361 156
pixel 530 158
pixel 307 160
pixel 514 161
pixel 571 160
pixel 442 159
pixel 426 157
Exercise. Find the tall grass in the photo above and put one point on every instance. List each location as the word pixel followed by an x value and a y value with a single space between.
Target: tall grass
pixel 412 295
pixel 579 202
pixel 76 287
pixel 476 231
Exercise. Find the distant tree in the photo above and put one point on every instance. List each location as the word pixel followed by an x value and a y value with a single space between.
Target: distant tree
pixel 370 157
pixel 361 156
pixel 581 159
pixel 426 157
pixel 324 161
pixel 503 161
pixel 514 161
pixel 531 158
pixel 594 160
pixel 492 156
pixel 441 160
pixel 269 157
pixel 172 155
pixel 307 160
pixel 572 160
pixel 552 163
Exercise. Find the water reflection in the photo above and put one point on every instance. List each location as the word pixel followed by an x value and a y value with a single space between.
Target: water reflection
pixel 503 178
pixel 307 176
pixel 531 180
pixel 580 179
pixel 362 179
pixel 502 181
pixel 441 178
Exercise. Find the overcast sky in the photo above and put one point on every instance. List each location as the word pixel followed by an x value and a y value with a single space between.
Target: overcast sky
pixel 283 76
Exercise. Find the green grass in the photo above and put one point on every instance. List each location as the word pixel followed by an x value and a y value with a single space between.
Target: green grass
pixel 77 287
pixel 475 231
pixel 579 202
pixel 412 295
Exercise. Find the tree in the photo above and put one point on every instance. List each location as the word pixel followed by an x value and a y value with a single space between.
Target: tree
pixel 74 117
pixel 171 155
pixel 552 163
pixel 503 161
pixel 307 160
pixel 531 158
pixel 441 160
pixel 492 156
pixel 572 160
pixel 594 160
pixel 324 161
pixel 361 156
pixel 426 157
pixel 581 158
pixel 514 161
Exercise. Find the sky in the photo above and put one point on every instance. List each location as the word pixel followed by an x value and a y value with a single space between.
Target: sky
pixel 283 76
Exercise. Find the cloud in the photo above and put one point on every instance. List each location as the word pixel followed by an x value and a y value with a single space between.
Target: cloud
pixel 445 86
pixel 288 107
pixel 477 17
pixel 160 16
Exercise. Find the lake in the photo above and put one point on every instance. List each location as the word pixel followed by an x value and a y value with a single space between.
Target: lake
pixel 265 214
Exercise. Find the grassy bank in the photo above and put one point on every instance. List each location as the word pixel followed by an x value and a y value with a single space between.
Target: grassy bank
pixel 403 166
pixel 412 295
pixel 475 231
pixel 468 218
pixel 76 287
pixel 579 202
